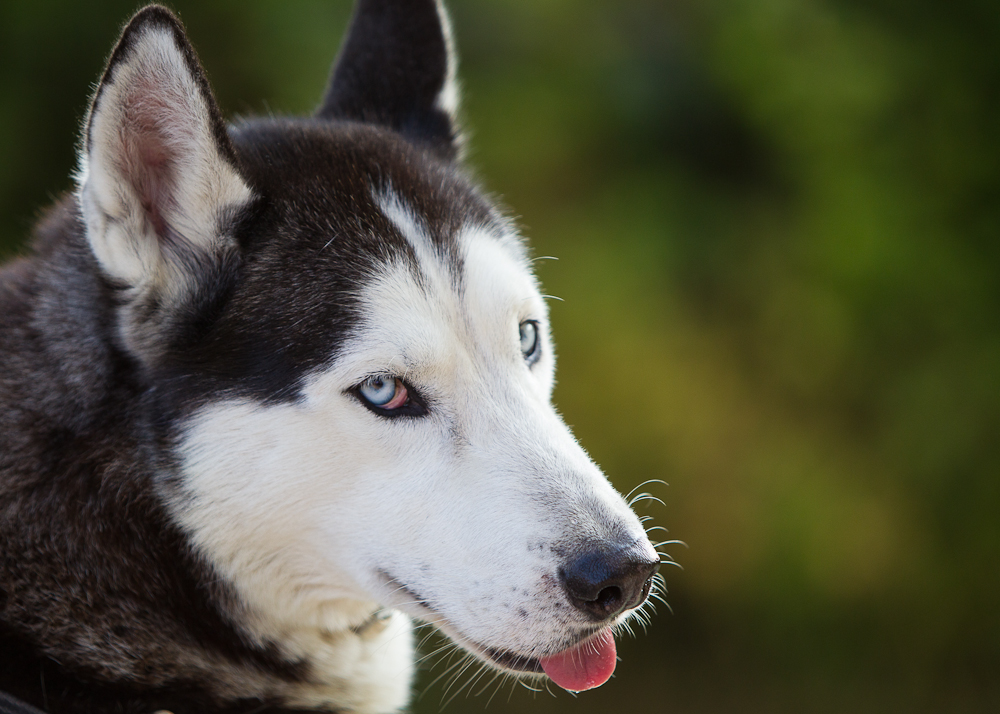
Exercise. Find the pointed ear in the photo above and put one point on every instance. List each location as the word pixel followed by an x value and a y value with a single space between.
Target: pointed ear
pixel 157 172
pixel 397 69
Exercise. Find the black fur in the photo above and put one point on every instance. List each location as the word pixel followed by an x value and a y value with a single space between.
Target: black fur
pixel 310 175
pixel 104 607
pixel 89 554
pixel 405 36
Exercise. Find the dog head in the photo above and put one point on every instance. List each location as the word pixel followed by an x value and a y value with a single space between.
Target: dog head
pixel 348 357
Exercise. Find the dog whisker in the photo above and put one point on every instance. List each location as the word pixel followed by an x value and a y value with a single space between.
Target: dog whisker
pixel 645 497
pixel 448 669
pixel 670 542
pixel 645 483
pixel 469 662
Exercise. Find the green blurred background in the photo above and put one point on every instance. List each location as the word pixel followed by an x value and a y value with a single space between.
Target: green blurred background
pixel 778 231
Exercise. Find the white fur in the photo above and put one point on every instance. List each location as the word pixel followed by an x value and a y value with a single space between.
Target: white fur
pixel 321 511
pixel 448 98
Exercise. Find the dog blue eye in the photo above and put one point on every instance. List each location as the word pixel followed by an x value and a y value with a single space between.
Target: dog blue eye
pixel 390 396
pixel 383 391
pixel 529 339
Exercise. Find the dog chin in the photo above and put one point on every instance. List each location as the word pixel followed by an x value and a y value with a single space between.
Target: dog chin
pixel 417 606
pixel 504 660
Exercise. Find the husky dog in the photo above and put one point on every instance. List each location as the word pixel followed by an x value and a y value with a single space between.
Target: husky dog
pixel 273 390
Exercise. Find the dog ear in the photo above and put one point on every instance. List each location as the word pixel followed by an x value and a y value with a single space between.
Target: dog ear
pixel 157 173
pixel 397 69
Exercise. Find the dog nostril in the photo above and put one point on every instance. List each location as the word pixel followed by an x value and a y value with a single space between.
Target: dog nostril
pixel 608 601
pixel 646 588
pixel 606 581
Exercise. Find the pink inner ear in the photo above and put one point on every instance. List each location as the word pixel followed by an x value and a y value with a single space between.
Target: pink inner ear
pixel 156 133
pixel 151 184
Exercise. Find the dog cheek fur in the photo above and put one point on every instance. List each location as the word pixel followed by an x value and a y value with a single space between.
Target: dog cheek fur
pixel 262 517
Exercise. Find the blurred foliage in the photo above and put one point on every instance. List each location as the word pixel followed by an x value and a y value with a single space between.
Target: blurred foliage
pixel 778 224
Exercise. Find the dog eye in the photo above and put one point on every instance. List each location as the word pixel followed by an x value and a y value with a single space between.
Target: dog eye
pixel 529 340
pixel 384 392
pixel 390 396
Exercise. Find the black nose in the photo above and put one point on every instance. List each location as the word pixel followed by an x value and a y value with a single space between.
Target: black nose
pixel 605 580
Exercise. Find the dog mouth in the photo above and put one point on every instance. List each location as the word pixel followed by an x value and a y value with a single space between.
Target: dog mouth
pixel 585 662
pixel 511 661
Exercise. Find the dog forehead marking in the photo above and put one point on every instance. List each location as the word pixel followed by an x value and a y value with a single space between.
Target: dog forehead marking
pixel 483 283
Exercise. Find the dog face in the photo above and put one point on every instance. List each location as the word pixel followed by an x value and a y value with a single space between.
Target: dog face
pixel 350 359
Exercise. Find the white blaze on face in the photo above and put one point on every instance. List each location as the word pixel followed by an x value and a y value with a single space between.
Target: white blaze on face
pixel 461 516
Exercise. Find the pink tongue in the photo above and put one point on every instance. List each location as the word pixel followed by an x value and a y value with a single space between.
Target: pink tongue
pixel 585 666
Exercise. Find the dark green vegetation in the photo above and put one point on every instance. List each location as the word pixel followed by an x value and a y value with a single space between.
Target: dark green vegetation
pixel 778 225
